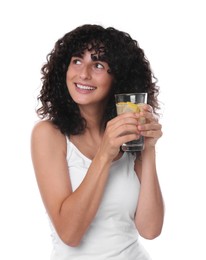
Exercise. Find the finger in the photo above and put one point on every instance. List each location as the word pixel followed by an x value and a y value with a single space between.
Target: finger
pixel 150 126
pixel 151 133
pixel 122 127
pixel 151 130
pixel 121 135
pixel 147 107
pixel 122 120
pixel 127 138
pixel 148 111
pixel 126 129
pixel 126 115
pixel 149 116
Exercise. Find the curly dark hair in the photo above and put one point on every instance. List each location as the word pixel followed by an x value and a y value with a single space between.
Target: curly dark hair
pixel 127 62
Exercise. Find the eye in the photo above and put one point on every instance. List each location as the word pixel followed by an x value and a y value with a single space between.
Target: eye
pixel 76 61
pixel 99 65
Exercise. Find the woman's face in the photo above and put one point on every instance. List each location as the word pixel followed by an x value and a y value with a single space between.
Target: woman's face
pixel 88 81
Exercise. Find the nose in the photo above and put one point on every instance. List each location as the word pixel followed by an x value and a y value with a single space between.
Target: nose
pixel 85 73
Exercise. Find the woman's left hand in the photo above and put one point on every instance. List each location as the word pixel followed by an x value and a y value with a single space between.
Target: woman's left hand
pixel 152 129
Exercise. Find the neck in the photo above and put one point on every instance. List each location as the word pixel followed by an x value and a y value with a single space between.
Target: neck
pixel 93 117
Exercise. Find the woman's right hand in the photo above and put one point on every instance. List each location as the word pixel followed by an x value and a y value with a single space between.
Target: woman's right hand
pixel 119 130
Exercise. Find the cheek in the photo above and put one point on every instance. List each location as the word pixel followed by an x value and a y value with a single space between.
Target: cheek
pixel 108 83
pixel 69 76
pixel 71 71
pixel 68 80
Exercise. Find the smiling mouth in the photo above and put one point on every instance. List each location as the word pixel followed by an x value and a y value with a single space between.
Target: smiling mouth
pixel 85 87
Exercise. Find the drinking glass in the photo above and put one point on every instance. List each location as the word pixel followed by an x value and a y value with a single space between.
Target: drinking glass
pixel 131 102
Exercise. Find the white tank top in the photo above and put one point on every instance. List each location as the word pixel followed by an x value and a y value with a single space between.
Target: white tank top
pixel 112 234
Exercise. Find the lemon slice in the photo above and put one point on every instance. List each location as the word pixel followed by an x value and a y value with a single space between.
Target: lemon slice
pixel 123 107
pixel 133 107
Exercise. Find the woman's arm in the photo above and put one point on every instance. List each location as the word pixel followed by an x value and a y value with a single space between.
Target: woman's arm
pixel 150 209
pixel 72 212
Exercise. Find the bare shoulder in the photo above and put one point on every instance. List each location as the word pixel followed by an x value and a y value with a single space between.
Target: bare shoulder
pixel 47 139
pixel 47 132
pixel 46 128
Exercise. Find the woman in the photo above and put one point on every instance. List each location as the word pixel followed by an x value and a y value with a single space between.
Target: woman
pixel 98 198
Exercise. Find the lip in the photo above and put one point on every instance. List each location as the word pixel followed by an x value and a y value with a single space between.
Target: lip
pixel 84 88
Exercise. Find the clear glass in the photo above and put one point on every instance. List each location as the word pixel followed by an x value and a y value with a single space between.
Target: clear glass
pixel 131 102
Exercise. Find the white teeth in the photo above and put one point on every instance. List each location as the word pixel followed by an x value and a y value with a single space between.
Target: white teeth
pixel 85 87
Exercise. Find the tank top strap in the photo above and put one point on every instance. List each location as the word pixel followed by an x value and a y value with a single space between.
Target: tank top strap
pixel 73 151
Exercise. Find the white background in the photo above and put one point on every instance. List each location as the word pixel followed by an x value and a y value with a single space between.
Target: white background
pixel 172 33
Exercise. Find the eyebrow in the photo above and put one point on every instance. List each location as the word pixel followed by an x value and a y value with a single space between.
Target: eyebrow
pixel 94 56
pixel 78 54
